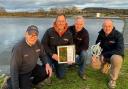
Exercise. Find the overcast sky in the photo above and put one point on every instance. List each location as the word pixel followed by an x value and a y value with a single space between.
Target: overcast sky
pixel 31 5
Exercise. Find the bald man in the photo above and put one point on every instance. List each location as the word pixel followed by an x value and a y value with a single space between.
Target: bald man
pixel 112 43
pixel 81 41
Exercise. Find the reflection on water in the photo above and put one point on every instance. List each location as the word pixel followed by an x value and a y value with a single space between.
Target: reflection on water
pixel 126 33
pixel 12 30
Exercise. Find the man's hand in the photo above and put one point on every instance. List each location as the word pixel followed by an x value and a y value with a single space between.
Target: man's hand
pixel 94 57
pixel 55 57
pixel 95 62
pixel 70 62
pixel 48 70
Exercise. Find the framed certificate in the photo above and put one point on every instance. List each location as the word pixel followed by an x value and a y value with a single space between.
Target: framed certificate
pixel 66 53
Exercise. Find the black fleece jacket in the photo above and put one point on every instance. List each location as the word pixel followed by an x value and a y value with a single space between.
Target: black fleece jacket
pixel 111 44
pixel 51 40
pixel 80 39
pixel 24 59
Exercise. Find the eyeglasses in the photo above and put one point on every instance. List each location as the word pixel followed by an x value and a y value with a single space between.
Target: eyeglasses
pixel 33 35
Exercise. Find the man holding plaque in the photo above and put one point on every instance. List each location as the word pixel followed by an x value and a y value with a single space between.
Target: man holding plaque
pixel 58 35
pixel 81 41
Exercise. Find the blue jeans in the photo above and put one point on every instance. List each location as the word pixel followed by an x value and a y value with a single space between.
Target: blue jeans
pixel 60 69
pixel 82 61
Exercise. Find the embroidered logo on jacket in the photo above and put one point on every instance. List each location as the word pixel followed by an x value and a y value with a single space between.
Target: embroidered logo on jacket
pixel 65 39
pixel 112 42
pixel 52 37
pixel 25 55
pixel 37 50
pixel 79 38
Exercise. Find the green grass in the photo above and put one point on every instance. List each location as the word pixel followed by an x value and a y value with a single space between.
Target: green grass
pixel 96 80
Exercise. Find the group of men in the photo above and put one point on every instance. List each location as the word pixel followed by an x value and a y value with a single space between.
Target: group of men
pixel 25 71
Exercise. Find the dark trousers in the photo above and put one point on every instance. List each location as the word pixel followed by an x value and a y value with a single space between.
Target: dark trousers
pixel 60 69
pixel 26 80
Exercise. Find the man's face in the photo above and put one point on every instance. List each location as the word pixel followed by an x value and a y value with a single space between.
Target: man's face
pixel 107 27
pixel 31 38
pixel 79 24
pixel 60 22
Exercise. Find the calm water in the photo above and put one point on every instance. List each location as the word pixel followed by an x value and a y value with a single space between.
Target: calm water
pixel 12 30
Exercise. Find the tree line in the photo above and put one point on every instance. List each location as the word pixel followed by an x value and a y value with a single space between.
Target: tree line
pixel 87 12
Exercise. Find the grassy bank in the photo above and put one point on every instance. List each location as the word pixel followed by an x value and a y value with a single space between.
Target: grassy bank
pixel 96 80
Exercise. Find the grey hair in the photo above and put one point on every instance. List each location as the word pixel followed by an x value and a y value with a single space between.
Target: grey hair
pixel 79 17
pixel 107 20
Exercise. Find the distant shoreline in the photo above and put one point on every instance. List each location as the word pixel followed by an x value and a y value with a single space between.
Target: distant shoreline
pixel 55 16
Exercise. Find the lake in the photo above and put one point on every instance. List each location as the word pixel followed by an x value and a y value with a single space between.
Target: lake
pixel 12 30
